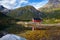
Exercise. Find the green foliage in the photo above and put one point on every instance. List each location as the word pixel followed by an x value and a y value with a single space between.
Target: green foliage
pixel 51 13
pixel 5 21
pixel 51 21
pixel 9 24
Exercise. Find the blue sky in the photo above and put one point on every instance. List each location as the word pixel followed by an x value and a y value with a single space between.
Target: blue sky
pixel 13 4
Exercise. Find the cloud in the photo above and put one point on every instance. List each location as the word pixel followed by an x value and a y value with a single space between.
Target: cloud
pixel 12 4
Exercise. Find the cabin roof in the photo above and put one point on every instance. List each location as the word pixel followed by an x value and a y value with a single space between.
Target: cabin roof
pixel 37 18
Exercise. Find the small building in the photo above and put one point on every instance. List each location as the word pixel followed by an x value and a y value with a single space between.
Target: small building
pixel 36 19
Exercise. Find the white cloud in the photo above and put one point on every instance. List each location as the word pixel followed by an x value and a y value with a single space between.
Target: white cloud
pixel 12 4
pixel 23 1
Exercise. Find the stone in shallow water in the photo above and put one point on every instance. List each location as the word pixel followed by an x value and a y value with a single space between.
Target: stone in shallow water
pixel 11 37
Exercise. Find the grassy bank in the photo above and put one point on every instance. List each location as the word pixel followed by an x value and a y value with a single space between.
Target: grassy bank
pixel 51 21
pixel 42 35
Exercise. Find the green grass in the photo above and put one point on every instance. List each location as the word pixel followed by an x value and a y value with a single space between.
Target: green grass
pixel 51 21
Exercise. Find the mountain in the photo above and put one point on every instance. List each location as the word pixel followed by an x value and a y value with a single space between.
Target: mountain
pixel 52 9
pixel 8 23
pixel 25 13
pixel 52 4
pixel 3 9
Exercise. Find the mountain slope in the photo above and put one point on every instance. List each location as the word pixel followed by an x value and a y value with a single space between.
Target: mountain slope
pixel 4 10
pixel 52 4
pixel 52 9
pixel 5 21
pixel 25 13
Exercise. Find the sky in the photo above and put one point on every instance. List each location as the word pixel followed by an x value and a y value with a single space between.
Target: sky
pixel 13 4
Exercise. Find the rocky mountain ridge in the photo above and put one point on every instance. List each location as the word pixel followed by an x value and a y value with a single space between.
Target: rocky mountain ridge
pixel 25 13
pixel 52 4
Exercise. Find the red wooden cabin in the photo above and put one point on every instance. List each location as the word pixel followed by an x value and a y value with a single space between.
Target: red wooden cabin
pixel 36 20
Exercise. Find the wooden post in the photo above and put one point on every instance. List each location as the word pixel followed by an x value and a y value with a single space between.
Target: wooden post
pixel 32 28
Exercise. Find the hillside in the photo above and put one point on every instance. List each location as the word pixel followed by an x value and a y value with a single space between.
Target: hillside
pixel 52 9
pixel 8 23
pixel 25 13
pixel 5 21
pixel 52 4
